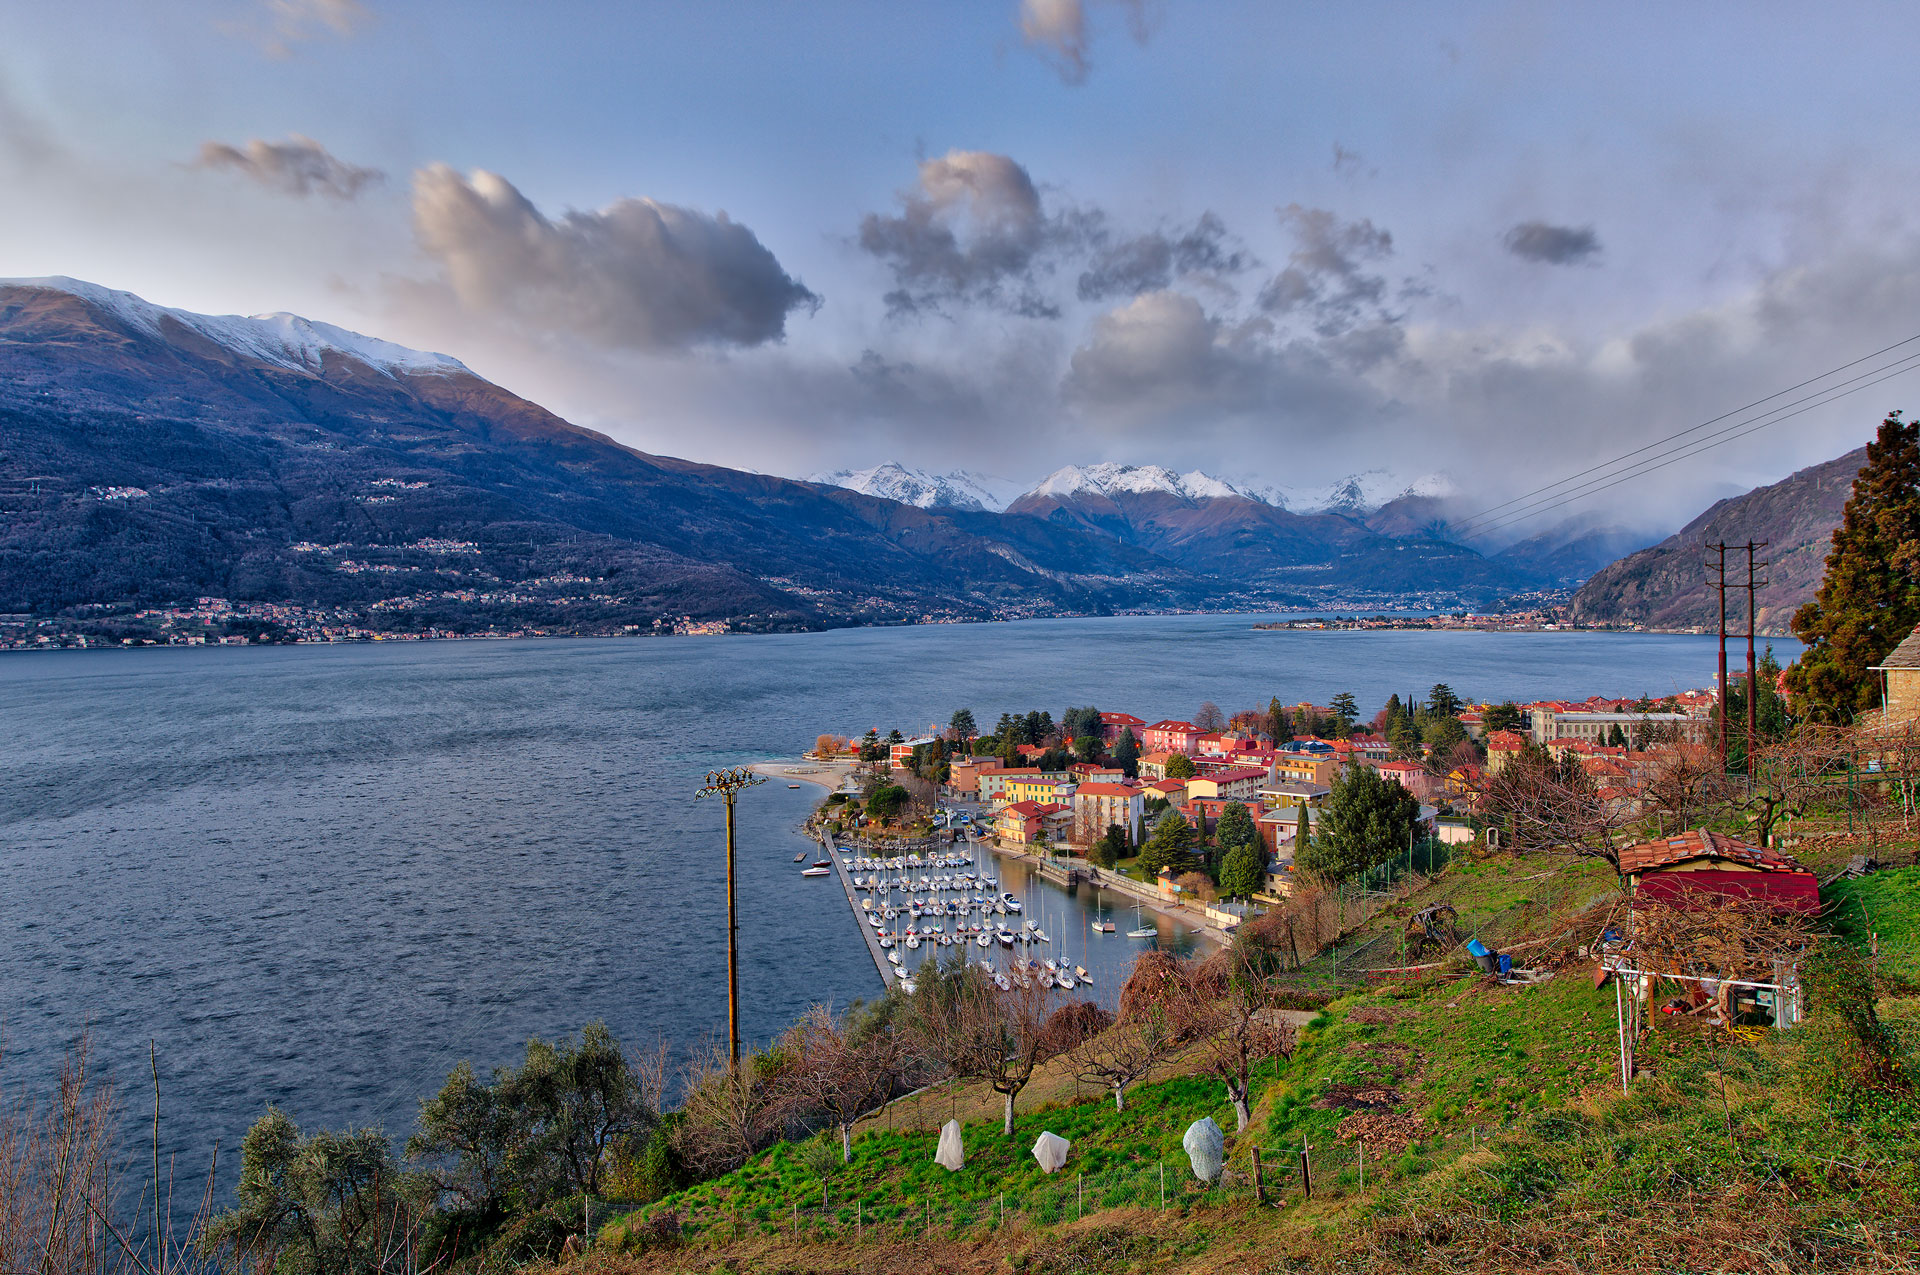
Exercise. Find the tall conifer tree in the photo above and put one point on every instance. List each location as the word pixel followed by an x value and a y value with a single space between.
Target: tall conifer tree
pixel 1869 599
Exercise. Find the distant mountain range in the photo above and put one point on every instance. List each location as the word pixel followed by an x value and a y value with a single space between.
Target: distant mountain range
pixel 151 455
pixel 1666 586
pixel 1356 495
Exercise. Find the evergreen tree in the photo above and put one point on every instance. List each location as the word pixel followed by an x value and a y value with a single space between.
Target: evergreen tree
pixel 1442 702
pixel 1366 820
pixel 961 725
pixel 1180 766
pixel 1443 734
pixel 1170 846
pixel 1235 829
pixel 1126 753
pixel 1503 716
pixel 1110 848
pixel 1278 725
pixel 1242 872
pixel 1869 598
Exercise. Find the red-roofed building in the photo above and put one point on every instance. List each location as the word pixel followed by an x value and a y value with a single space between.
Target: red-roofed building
pixel 1171 736
pixel 1502 747
pixel 1027 822
pixel 1701 863
pixel 1237 783
pixel 1410 775
pixel 1113 724
pixel 1099 806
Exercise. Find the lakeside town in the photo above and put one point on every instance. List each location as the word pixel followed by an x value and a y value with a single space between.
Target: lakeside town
pixel 1217 813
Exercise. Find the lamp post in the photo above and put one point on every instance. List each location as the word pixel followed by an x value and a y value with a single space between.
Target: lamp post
pixel 725 784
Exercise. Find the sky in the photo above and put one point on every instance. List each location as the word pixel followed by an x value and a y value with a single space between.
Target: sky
pixel 1278 242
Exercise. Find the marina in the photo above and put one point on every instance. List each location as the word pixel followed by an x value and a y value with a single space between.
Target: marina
pixel 928 899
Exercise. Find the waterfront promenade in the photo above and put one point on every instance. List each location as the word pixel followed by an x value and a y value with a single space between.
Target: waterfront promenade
pixel 868 934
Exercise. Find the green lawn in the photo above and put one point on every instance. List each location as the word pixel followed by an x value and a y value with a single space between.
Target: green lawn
pixel 1887 905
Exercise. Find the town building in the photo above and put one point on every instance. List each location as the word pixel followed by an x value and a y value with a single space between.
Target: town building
pixel 1171 737
pixel 1099 806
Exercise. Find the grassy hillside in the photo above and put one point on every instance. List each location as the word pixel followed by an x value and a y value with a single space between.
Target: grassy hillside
pixel 1493 1125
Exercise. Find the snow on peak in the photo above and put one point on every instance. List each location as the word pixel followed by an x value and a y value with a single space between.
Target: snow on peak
pixel 1359 493
pixel 1109 478
pixel 892 481
pixel 285 340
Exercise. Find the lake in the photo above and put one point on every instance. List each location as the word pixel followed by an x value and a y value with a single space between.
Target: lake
pixel 319 876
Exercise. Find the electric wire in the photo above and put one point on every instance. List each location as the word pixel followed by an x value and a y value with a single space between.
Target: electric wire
pixel 1689 450
pixel 1607 464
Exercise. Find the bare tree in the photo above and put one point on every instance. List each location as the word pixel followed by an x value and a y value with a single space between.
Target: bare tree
pixel 839 1074
pixel 978 1032
pixel 1682 783
pixel 1209 718
pixel 1229 1006
pixel 731 1111
pixel 1550 803
pixel 1126 1053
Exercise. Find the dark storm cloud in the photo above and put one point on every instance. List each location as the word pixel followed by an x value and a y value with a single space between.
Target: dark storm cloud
pixel 1552 245
pixel 297 166
pixel 638 274
pixel 1328 277
pixel 1152 261
pixel 971 231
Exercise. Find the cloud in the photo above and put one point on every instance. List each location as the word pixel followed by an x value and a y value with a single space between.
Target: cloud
pixel 1149 262
pixel 1552 245
pixel 972 230
pixel 297 166
pixel 637 275
pixel 278 25
pixel 1326 277
pixel 1161 358
pixel 1058 30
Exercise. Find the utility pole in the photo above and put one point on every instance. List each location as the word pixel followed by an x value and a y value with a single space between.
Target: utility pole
pixel 726 784
pixel 1753 690
pixel 1718 566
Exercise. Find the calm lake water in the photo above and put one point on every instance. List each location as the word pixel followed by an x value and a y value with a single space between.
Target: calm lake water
pixel 320 876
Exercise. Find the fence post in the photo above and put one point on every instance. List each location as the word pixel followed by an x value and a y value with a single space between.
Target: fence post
pixel 1259 1179
pixel 1306 1170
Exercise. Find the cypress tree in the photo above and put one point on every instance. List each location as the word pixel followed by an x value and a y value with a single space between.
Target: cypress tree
pixel 1869 599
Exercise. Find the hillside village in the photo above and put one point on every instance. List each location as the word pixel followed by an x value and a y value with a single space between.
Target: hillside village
pixel 1098 786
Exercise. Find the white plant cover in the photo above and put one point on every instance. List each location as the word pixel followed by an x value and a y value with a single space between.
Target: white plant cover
pixel 1050 1149
pixel 1206 1146
pixel 951 1155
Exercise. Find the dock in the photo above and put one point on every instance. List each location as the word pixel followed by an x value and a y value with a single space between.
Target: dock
pixel 868 934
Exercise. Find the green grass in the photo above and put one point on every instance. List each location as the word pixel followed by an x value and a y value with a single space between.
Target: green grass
pixel 1886 904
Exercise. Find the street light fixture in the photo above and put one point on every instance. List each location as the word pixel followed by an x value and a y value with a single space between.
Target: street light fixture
pixel 725 784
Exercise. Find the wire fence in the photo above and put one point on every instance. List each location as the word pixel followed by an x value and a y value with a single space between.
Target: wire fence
pixel 1272 1176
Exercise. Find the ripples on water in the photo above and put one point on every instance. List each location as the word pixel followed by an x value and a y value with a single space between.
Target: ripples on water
pixel 320 876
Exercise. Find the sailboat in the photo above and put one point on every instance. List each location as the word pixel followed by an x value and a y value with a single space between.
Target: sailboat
pixel 1140 929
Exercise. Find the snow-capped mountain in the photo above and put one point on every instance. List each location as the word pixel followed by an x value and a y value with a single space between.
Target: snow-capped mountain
pixel 1108 479
pixel 956 490
pixel 1360 493
pixel 1355 494
pixel 286 340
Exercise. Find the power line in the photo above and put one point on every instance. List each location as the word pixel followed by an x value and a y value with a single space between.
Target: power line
pixel 1490 512
pixel 1686 451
